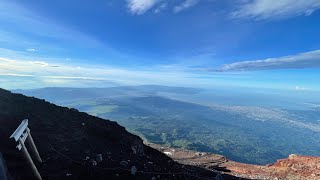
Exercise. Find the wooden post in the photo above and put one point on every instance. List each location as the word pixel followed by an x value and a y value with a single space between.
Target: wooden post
pixel 30 162
pixel 33 146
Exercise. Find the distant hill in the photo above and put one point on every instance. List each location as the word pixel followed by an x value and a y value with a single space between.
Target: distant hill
pixel 66 138
pixel 64 94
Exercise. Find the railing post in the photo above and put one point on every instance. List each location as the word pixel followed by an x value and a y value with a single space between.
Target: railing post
pixel 29 159
pixel 33 146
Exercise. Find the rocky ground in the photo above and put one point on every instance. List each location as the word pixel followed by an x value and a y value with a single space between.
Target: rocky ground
pixel 295 167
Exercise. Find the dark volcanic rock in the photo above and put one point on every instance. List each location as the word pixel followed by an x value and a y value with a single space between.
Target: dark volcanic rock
pixel 69 142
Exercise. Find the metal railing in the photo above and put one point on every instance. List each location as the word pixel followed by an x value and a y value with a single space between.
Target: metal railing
pixel 20 135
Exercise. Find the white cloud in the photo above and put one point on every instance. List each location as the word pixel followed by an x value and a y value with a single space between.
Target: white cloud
pixel 160 8
pixel 299 88
pixel 309 59
pixel 31 50
pixel 77 77
pixel 185 5
pixel 41 63
pixel 275 9
pixel 139 7
pixel 16 75
pixel 6 60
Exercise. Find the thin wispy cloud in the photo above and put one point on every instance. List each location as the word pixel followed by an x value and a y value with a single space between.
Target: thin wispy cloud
pixel 16 75
pixel 7 60
pixel 59 74
pixel 299 61
pixel 76 78
pixel 185 5
pixel 300 88
pixel 160 8
pixel 139 7
pixel 279 9
pixel 31 50
pixel 41 63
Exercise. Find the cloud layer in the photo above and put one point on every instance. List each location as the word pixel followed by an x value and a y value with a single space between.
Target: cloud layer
pixel 31 50
pixel 299 61
pixel 268 9
pixel 139 7
pixel 252 9
pixel 185 5
pixel 16 73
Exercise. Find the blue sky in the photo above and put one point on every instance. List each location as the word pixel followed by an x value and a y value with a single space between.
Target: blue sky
pixel 194 43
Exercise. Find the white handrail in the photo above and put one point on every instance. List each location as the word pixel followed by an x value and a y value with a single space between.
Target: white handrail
pixel 20 130
pixel 21 134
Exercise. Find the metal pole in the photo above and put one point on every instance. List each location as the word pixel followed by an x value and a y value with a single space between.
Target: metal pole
pixel 33 146
pixel 30 162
